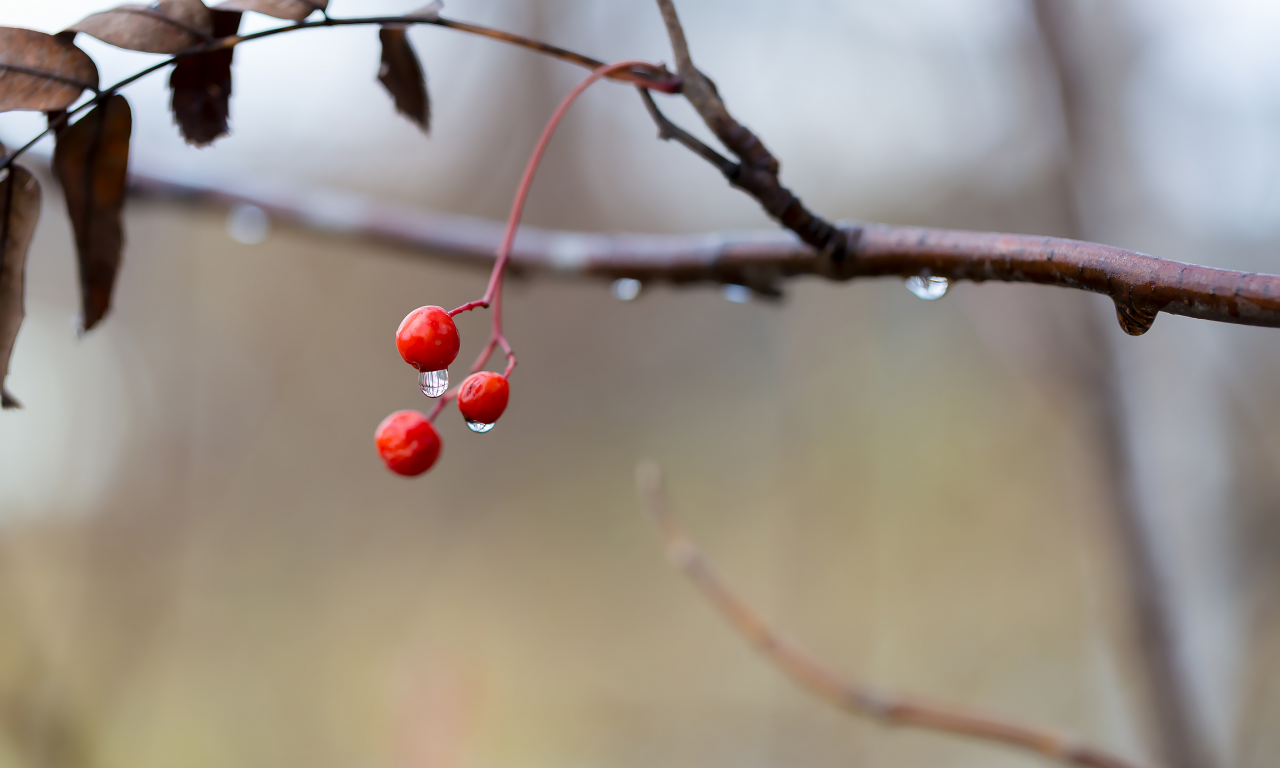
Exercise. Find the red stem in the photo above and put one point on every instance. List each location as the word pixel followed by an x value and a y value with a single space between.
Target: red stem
pixel 493 293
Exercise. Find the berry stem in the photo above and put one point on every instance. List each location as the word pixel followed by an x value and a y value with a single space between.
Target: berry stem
pixel 470 305
pixel 493 293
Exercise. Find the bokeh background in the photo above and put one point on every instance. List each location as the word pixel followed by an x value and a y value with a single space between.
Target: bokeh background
pixel 203 562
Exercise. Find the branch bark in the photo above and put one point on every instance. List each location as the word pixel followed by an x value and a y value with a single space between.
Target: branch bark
pixel 816 677
pixel 1139 284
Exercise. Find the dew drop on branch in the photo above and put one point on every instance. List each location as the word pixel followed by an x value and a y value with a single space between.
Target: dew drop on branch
pixel 433 383
pixel 478 426
pixel 738 294
pixel 248 224
pixel 928 288
pixel 626 288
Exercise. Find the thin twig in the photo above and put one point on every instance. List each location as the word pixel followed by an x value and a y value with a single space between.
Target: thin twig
pixel 668 131
pixel 816 677
pixel 758 174
pixel 762 259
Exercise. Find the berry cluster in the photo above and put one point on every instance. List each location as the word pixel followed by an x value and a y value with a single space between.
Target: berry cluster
pixel 428 340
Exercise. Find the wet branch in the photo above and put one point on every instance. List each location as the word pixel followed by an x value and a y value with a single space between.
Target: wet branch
pixel 816 677
pixel 1140 285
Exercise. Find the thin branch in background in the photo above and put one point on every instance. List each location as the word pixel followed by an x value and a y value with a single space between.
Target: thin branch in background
pixel 819 679
pixel 1179 735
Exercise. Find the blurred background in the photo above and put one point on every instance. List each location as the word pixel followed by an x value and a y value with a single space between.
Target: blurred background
pixel 204 563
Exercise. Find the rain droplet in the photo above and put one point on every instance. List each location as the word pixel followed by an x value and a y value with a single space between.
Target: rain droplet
pixel 478 426
pixel 738 294
pixel 626 288
pixel 1134 321
pixel 433 383
pixel 248 224
pixel 928 287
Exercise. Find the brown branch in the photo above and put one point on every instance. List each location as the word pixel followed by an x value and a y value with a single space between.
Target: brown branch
pixel 761 260
pixel 816 677
pixel 1140 285
pixel 758 174
pixel 669 131
pixel 635 75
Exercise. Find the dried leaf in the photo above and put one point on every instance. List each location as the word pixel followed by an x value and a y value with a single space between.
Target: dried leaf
pixel 293 10
pixel 165 26
pixel 90 160
pixel 19 211
pixel 402 76
pixel 41 72
pixel 202 87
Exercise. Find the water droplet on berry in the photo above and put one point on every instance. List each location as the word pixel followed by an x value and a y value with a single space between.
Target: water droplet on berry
pixel 478 426
pixel 434 383
pixel 626 288
pixel 928 288
pixel 738 294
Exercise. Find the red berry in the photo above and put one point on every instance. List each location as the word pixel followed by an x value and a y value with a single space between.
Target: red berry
pixel 483 397
pixel 427 339
pixel 407 443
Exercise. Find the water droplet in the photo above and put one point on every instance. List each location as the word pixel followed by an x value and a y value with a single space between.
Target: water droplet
pixel 1134 321
pixel 738 294
pixel 626 288
pixel 248 224
pixel 928 287
pixel 433 383
pixel 478 426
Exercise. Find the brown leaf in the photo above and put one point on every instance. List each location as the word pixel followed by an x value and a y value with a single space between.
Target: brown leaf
pixel 202 87
pixel 402 76
pixel 165 26
pixel 293 10
pixel 41 72
pixel 19 211
pixel 90 160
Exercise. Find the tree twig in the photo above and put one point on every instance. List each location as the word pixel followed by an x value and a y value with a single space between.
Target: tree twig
pixel 758 173
pixel 669 131
pixel 816 677
pixel 762 259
